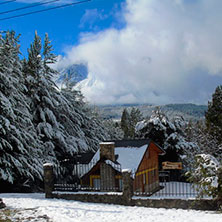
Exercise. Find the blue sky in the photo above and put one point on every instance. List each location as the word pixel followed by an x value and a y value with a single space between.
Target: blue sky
pixel 64 25
pixel 136 51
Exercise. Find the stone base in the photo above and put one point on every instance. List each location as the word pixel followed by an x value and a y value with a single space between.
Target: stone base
pixel 209 205
pixel 2 205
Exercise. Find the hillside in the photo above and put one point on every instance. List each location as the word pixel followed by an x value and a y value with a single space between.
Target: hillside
pixel 188 111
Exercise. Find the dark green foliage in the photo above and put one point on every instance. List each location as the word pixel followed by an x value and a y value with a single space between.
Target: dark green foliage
pixel 129 121
pixel 214 114
pixel 206 175
pixel 125 122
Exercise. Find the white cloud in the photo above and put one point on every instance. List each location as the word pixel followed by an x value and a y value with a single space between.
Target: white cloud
pixel 164 53
pixel 90 17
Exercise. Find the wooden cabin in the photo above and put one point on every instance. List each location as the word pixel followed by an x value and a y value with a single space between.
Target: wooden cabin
pixel 138 156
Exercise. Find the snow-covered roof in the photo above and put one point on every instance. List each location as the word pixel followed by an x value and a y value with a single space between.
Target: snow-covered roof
pixel 130 157
pixel 130 153
pixel 96 157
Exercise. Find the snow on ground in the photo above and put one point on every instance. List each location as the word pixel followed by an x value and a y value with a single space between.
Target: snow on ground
pixel 73 211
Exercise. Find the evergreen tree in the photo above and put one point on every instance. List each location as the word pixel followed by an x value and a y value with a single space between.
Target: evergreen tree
pixel 207 143
pixel 45 99
pixel 135 117
pixel 129 121
pixel 207 135
pixel 114 130
pixel 18 138
pixel 49 57
pixel 213 115
pixel 214 112
pixel 85 126
pixel 39 122
pixel 168 135
pixel 125 122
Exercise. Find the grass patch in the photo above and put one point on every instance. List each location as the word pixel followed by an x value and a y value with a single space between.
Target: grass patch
pixel 6 215
pixel 20 215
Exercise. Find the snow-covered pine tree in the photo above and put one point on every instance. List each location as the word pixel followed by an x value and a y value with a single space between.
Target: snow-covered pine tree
pixel 207 133
pixel 85 129
pixel 114 130
pixel 63 122
pixel 17 134
pixel 44 99
pixel 198 133
pixel 135 117
pixel 48 58
pixel 168 135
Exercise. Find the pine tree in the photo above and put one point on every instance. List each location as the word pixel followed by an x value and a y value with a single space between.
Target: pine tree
pixel 85 128
pixel 214 112
pixel 213 115
pixel 18 138
pixel 39 122
pixel 114 130
pixel 49 57
pixel 64 124
pixel 125 122
pixel 167 134
pixel 43 97
pixel 135 117
pixel 198 133
pixel 129 121
pixel 207 135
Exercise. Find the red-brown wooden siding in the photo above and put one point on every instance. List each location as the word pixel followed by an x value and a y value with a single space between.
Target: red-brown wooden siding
pixel 147 172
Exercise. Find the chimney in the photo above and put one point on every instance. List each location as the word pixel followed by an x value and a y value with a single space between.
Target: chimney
pixel 107 150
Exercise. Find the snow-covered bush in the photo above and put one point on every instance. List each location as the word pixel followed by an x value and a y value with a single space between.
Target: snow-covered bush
pixel 206 174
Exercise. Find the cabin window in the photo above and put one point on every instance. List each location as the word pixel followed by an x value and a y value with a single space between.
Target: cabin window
pixel 120 184
pixel 96 183
pixel 144 178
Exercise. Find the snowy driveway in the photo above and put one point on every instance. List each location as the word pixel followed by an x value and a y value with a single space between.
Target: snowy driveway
pixel 73 211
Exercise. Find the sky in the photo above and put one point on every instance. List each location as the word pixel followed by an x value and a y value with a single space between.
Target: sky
pixel 136 51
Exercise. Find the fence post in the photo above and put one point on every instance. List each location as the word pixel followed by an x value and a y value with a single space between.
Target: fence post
pixel 127 185
pixel 48 179
pixel 2 205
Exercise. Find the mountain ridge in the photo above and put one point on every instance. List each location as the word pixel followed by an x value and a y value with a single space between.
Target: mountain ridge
pixel 188 110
